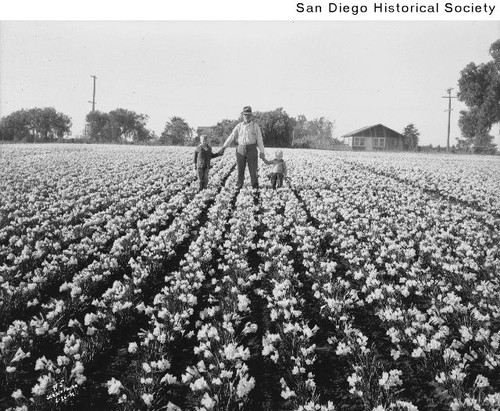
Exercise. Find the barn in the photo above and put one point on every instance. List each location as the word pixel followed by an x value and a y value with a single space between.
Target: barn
pixel 204 130
pixel 374 138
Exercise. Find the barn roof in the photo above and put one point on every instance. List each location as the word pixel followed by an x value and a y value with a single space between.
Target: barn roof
pixel 204 129
pixel 365 131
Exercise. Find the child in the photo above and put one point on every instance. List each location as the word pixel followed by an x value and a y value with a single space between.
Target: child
pixel 202 157
pixel 279 169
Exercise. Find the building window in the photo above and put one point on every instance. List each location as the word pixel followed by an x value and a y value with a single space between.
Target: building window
pixel 359 141
pixel 379 142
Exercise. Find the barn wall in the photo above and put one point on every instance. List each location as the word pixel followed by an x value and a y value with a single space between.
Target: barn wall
pixel 392 139
pixel 369 143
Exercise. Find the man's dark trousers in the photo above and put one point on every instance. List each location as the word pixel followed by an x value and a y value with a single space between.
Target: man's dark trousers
pixel 247 154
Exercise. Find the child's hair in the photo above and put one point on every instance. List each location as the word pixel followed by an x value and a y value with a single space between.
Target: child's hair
pixel 279 154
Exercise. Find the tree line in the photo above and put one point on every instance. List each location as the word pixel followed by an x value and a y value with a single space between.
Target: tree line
pixel 35 125
pixel 479 89
pixel 122 125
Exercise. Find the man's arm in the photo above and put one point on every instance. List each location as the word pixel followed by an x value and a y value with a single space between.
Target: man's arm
pixel 284 168
pixel 260 143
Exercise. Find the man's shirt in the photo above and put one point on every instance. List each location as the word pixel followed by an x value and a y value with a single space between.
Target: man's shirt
pixel 246 134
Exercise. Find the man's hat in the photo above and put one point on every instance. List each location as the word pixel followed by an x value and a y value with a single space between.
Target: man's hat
pixel 247 110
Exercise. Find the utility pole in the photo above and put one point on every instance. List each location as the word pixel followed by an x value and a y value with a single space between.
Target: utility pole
pixel 449 97
pixel 93 95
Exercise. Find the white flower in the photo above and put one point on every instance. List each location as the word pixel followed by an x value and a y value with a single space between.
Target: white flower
pixel 208 402
pixel 287 393
pixel 132 347
pixel 114 386
pixel 343 349
pixel 62 360
pixel 390 379
pixel 245 385
pixel 243 302
pixel 78 369
pixel 172 407
pixel 466 334
pixel 40 363
pixel 457 374
pixel 226 374
pixel 199 385
pixel 40 388
pixel 17 394
pixel 163 364
pixel 408 405
pixel 147 398
pixel 19 355
pixel 169 379
pixel 395 354
pixel 481 382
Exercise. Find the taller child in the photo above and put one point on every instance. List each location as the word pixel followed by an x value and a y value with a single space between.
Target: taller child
pixel 202 157
pixel 249 138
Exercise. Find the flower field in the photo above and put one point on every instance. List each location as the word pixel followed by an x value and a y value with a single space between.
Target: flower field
pixel 370 281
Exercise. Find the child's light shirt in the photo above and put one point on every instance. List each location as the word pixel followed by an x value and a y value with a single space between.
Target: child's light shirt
pixel 279 166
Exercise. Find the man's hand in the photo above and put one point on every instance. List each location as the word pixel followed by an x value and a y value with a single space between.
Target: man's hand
pixel 262 156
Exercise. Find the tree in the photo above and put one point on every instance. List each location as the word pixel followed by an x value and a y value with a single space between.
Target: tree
pixel 177 132
pixel 411 135
pixel 15 126
pixel 36 124
pixel 98 128
pixel 222 130
pixel 320 127
pixel 276 127
pixel 479 89
pixel 300 129
pixel 127 125
pixel 316 133
pixel 117 126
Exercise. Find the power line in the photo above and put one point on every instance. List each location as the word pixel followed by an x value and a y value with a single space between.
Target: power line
pixel 449 97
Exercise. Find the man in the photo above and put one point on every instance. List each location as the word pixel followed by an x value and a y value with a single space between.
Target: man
pixel 249 138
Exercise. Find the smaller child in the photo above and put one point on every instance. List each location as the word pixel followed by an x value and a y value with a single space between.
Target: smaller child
pixel 202 157
pixel 279 169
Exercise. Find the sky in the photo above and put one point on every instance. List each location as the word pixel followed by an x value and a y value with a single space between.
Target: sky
pixel 354 73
